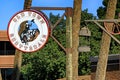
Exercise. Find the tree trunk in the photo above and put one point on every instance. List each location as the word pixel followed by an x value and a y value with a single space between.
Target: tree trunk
pixel 105 44
pixel 75 36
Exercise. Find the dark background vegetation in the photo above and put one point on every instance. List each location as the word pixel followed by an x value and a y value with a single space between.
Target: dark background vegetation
pixel 50 62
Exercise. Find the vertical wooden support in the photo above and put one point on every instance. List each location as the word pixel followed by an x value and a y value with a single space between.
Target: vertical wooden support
pixel 119 55
pixel 105 44
pixel 0 75
pixel 75 36
pixel 68 44
pixel 17 65
pixel 27 4
pixel 18 54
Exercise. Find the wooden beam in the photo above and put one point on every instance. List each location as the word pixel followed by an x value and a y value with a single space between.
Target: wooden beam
pixel 104 20
pixel 49 8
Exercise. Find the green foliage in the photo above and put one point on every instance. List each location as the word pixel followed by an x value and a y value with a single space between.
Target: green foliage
pixel 85 16
pixel 101 12
pixel 114 47
pixel 96 32
pixel 49 62
pixel 94 43
pixel 46 64
pixel 84 64
pixel 102 9
pixel 95 39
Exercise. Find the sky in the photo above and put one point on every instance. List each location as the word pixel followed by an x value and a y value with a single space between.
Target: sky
pixel 9 7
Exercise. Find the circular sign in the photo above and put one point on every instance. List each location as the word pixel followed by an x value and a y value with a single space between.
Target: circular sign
pixel 28 30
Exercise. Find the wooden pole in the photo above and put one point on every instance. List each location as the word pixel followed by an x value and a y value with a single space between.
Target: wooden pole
pixel 75 36
pixel 17 65
pixel 68 44
pixel 18 54
pixel 105 44
pixel 0 75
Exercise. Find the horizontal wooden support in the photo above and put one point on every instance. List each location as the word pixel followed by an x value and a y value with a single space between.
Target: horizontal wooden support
pixel 7 61
pixel 104 20
pixel 50 8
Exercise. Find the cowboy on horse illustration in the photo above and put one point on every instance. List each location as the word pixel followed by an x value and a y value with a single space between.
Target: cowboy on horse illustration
pixel 29 34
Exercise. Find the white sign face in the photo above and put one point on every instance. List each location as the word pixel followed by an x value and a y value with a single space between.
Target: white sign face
pixel 28 30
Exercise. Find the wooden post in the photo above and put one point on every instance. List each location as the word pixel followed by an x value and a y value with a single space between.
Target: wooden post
pixel 75 36
pixel 17 65
pixel 18 54
pixel 0 75
pixel 68 44
pixel 105 44
pixel 119 55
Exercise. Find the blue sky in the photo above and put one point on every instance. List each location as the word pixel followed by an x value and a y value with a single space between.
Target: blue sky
pixel 9 7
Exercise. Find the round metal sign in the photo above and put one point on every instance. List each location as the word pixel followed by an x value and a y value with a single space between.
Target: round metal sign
pixel 28 30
